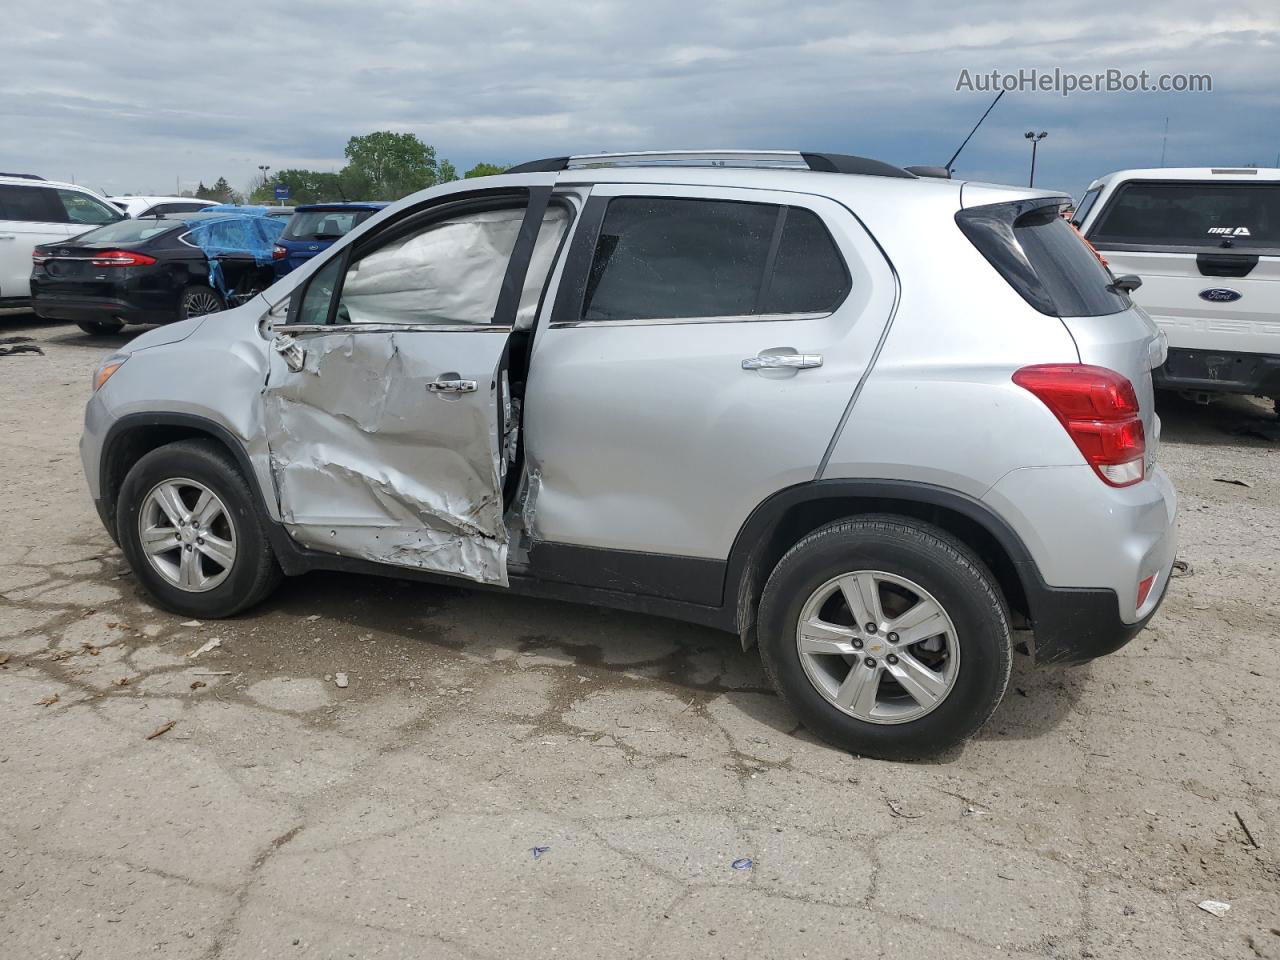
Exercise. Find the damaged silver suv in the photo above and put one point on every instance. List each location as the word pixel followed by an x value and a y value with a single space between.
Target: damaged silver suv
pixel 887 428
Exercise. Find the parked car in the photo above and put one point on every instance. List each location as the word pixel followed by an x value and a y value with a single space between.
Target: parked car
pixel 695 385
pixel 154 269
pixel 1206 245
pixel 314 226
pixel 34 210
pixel 160 206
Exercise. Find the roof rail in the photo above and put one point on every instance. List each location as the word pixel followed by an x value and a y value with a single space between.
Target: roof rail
pixel 738 159
pixel 22 176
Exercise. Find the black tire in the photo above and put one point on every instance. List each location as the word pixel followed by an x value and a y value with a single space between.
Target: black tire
pixel 100 328
pixel 199 300
pixel 254 572
pixel 944 567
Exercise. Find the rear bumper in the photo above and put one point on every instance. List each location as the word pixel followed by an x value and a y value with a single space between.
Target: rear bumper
pixel 1220 371
pixel 89 309
pixel 1077 624
pixel 1090 547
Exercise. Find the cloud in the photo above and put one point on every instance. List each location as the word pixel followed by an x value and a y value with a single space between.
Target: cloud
pixel 133 96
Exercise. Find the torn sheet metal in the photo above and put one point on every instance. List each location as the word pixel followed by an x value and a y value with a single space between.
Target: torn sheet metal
pixel 369 463
pixel 452 272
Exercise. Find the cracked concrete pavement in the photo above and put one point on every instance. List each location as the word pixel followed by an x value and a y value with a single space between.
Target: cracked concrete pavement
pixel 281 816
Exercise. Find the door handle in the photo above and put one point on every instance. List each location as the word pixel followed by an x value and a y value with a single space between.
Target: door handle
pixel 452 385
pixel 8 236
pixel 291 350
pixel 783 361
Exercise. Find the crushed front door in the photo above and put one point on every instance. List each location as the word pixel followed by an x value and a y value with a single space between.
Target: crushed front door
pixel 385 396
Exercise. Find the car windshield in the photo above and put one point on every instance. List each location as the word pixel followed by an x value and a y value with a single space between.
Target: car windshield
pixel 130 231
pixel 1192 214
pixel 323 224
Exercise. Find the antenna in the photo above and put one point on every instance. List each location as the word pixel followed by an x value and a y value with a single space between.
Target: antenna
pixel 952 161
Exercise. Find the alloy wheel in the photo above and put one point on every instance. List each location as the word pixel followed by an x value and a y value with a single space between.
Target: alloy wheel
pixel 187 535
pixel 878 646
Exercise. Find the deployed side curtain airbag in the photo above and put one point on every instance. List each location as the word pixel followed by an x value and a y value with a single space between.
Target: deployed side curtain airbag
pixel 451 273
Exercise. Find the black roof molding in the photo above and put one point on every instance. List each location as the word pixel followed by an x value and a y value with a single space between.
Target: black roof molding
pixel 844 163
pixel 22 176
pixel 920 170
pixel 549 165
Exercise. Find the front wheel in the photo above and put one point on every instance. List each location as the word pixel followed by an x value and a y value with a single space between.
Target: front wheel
pixel 190 528
pixel 886 636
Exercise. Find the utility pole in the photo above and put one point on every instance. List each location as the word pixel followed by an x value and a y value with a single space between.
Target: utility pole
pixel 1035 139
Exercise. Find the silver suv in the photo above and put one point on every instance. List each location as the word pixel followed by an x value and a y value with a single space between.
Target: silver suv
pixel 871 422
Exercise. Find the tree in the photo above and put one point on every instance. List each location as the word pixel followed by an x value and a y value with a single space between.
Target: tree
pixel 394 165
pixel 483 170
pixel 222 192
pixel 305 186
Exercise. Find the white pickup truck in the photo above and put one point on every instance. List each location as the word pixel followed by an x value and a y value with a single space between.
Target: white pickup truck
pixel 1206 244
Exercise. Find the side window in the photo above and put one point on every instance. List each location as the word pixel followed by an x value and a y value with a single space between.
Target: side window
pixel 449 272
pixel 1086 204
pixel 809 275
pixel 82 208
pixel 31 204
pixel 659 258
pixel 667 258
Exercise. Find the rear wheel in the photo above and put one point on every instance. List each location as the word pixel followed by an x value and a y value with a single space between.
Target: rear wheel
pixel 886 636
pixel 100 328
pixel 198 300
pixel 189 525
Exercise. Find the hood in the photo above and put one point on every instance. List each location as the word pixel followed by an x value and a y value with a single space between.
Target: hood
pixel 161 336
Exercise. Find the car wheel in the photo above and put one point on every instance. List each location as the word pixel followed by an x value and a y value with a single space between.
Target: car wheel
pixel 886 636
pixel 199 300
pixel 100 328
pixel 190 527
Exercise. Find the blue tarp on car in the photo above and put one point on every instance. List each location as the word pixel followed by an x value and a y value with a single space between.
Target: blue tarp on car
pixel 234 235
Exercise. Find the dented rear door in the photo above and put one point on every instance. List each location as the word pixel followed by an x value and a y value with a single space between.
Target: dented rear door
pixel 385 406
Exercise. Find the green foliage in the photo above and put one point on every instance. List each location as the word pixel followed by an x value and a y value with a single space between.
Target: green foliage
pixel 222 192
pixel 483 170
pixel 382 165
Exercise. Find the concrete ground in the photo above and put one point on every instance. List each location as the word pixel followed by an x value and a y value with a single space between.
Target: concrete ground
pixel 515 778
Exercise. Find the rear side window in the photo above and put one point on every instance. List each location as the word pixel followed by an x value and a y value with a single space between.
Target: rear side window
pixel 1191 214
pixel 1043 257
pixel 667 258
pixel 1086 204
pixel 31 204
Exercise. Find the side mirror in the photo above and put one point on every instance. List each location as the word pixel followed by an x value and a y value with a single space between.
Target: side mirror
pixel 1126 284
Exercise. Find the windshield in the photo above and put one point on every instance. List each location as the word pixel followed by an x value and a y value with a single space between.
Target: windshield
pixel 129 231
pixel 1192 214
pixel 324 224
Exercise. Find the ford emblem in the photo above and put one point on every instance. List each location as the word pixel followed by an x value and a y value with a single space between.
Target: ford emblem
pixel 1220 295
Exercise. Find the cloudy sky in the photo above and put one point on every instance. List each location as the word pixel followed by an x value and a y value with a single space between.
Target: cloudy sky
pixel 132 96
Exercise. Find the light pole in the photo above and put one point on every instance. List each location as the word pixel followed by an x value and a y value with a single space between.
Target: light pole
pixel 1035 139
pixel 265 167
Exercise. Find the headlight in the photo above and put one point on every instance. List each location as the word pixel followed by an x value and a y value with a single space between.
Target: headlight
pixel 105 369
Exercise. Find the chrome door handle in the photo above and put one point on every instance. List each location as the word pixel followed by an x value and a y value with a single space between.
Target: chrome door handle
pixel 783 361
pixel 451 385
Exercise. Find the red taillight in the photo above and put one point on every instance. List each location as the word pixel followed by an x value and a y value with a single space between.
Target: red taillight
pixel 122 258
pixel 1099 408
pixel 38 257
pixel 1144 590
pixel 278 252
